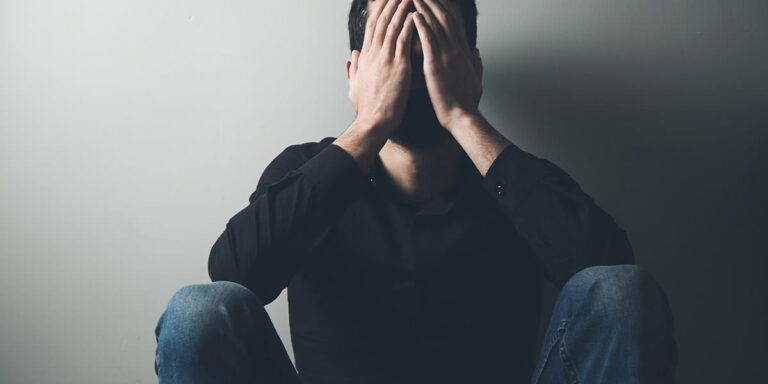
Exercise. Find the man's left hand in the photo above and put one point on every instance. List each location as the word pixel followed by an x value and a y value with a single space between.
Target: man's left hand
pixel 452 70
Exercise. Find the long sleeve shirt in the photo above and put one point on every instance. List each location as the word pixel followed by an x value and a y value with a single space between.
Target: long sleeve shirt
pixel 381 290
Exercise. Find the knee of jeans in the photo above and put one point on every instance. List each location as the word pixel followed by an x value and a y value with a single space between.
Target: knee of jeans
pixel 617 289
pixel 196 309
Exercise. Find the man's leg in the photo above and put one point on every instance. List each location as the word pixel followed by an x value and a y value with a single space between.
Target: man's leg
pixel 219 333
pixel 611 324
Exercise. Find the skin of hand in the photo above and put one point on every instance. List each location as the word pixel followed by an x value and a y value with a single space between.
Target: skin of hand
pixel 380 74
pixel 380 78
pixel 452 70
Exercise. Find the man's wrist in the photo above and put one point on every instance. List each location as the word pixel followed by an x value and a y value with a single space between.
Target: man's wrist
pixel 463 120
pixel 371 125
pixel 363 140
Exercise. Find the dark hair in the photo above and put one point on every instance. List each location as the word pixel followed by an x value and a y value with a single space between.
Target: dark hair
pixel 358 15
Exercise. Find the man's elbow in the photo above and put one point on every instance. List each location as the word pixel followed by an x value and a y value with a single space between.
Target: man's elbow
pixel 221 261
pixel 218 267
pixel 223 267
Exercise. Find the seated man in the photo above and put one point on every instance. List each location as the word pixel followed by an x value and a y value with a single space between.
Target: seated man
pixel 414 244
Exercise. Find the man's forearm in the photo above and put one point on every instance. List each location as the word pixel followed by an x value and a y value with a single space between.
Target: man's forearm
pixel 481 141
pixel 363 140
pixel 379 77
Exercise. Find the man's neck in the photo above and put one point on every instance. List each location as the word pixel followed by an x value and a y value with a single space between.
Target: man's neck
pixel 420 174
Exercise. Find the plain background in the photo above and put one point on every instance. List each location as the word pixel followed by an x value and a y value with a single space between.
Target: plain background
pixel 131 131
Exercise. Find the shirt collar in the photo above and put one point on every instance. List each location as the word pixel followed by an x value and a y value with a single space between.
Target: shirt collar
pixel 439 205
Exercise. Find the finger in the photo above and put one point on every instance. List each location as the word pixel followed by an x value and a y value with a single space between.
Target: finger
pixel 434 25
pixel 370 24
pixel 405 40
pixel 441 15
pixel 461 34
pixel 383 23
pixel 456 30
pixel 426 36
pixel 396 26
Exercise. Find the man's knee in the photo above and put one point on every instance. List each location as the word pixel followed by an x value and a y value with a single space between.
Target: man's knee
pixel 623 290
pixel 201 326
pixel 195 311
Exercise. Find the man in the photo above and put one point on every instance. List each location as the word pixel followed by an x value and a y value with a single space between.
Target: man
pixel 414 244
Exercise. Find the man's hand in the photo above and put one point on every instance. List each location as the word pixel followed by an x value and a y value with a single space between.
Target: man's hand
pixel 380 74
pixel 453 72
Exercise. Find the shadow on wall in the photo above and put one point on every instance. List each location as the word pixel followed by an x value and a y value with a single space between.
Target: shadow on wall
pixel 676 152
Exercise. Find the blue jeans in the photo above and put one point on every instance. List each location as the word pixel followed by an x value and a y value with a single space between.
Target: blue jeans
pixel 611 324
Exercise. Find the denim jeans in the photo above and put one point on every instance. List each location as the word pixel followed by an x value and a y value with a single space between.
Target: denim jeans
pixel 610 324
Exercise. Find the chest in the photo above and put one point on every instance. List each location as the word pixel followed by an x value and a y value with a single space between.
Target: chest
pixel 381 247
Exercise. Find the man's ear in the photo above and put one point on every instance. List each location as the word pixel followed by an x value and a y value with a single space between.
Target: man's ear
pixel 478 62
pixel 351 65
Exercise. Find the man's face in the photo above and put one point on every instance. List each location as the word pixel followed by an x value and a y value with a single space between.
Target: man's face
pixel 420 127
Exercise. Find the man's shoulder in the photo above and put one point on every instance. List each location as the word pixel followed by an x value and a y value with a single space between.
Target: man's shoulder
pixel 309 149
pixel 291 157
pixel 295 155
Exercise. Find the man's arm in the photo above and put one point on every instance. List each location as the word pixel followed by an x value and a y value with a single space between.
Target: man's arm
pixel 297 202
pixel 564 227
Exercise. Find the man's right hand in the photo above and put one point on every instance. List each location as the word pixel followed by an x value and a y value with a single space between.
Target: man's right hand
pixel 380 74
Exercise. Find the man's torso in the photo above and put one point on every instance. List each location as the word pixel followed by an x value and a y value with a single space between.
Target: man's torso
pixel 445 292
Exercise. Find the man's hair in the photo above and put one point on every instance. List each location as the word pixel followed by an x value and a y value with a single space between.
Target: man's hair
pixel 359 14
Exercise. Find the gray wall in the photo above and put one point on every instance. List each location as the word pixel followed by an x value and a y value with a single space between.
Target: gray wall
pixel 131 131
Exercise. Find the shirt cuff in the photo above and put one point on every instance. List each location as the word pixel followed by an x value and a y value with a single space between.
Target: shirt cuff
pixel 511 168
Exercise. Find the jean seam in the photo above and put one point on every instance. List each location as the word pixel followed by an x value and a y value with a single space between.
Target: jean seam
pixel 550 348
pixel 568 365
pixel 158 328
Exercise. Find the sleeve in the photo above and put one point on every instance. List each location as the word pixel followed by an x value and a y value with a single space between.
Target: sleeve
pixel 295 204
pixel 564 227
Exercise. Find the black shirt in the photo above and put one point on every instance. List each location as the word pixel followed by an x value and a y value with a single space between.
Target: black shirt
pixel 381 290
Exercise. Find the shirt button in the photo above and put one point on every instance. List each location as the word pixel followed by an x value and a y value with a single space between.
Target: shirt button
pixel 373 181
pixel 500 188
